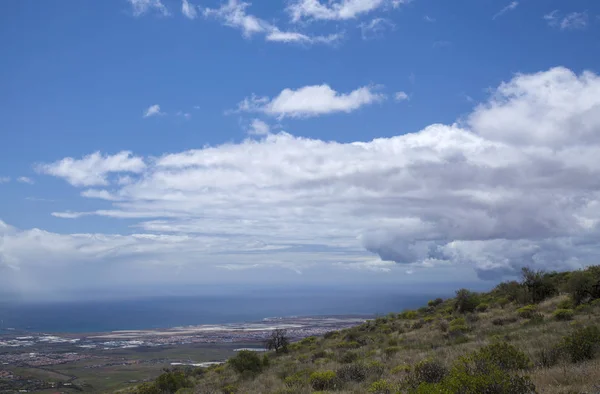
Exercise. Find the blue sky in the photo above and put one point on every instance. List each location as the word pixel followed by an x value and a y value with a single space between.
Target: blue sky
pixel 272 96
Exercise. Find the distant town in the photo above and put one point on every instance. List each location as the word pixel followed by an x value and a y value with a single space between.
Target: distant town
pixel 37 361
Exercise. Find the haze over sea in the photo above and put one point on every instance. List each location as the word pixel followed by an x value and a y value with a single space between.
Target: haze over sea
pixel 173 311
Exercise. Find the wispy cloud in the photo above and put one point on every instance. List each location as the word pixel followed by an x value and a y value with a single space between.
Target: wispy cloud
pixel 375 28
pixel 4 179
pixel 429 19
pixel 153 110
pixel 506 9
pixel 401 96
pixel 24 179
pixel 336 10
pixel 141 7
pixel 233 14
pixel 184 114
pixel 188 9
pixel 93 169
pixel 571 21
pixel 311 101
pixel 259 127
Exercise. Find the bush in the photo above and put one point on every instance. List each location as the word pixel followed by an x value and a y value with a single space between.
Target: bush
pixel 418 324
pixel 565 304
pixel 296 380
pixel 465 379
pixel 434 303
pixel 375 369
pixel 502 302
pixel 381 387
pixel 527 311
pixel 482 307
pixel 391 350
pixel 323 380
pixel 349 357
pixel 246 361
pixel 582 287
pixel 466 301
pixel 408 315
pixel 503 355
pixel 563 314
pixel 539 285
pixel 353 372
pixel 171 381
pixel 229 389
pixel 582 344
pixel 427 371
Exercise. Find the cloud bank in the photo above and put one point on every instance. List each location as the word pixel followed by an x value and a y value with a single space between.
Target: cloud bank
pixel 516 182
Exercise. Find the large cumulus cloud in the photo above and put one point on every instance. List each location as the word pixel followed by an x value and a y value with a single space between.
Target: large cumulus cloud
pixel 513 183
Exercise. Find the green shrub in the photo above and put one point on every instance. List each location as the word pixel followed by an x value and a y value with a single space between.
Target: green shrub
pixel 357 372
pixel 563 314
pixel 427 371
pixel 246 361
pixel 296 380
pixel 434 303
pixel 502 302
pixel 565 304
pixel 582 287
pixel 503 355
pixel 391 350
pixel 349 357
pixel 465 378
pixel 229 389
pixel 309 340
pixel 408 315
pixel 172 380
pixel 482 307
pixel 583 344
pixel 381 387
pixel 538 284
pixel 375 368
pixel 348 345
pixel 465 301
pixel 400 368
pixel 527 311
pixel 323 380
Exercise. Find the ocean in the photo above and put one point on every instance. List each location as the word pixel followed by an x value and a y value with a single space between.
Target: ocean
pixel 166 312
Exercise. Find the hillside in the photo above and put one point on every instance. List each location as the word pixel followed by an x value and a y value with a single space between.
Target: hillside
pixel 540 334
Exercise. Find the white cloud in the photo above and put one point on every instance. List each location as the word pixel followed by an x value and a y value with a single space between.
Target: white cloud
pixel 24 179
pixel 311 101
pixel 375 28
pixel 153 110
pixel 429 19
pixel 401 96
pixel 141 7
pixel 514 183
pixel 572 21
pixel 4 179
pixel 258 127
pixel 93 169
pixel 188 9
pixel 336 10
pixel 233 14
pixel 506 9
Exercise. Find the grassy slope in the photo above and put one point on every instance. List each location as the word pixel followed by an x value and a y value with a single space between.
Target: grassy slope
pixel 396 343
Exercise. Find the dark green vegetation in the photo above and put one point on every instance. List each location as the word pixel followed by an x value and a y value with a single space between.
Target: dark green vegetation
pixel 537 335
